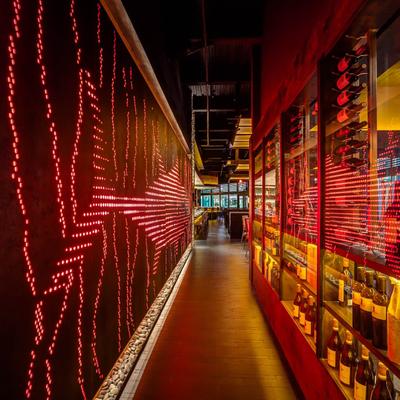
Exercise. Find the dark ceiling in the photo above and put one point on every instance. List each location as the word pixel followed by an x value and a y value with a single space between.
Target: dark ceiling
pixel 203 48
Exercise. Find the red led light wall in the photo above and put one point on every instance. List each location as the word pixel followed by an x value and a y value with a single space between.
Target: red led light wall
pixel 95 198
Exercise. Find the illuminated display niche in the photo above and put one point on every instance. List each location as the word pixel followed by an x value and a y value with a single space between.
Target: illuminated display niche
pixel 95 198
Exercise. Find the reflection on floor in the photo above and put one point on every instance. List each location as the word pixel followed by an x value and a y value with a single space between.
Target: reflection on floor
pixel 215 343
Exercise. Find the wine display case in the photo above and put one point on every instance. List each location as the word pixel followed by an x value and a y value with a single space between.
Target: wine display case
pixel 271 236
pixel 300 170
pixel 332 242
pixel 257 226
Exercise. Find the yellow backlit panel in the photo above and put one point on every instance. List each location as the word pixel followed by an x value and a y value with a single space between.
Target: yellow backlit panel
pixel 388 99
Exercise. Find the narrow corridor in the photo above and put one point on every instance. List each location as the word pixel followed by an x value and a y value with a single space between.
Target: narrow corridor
pixel 215 343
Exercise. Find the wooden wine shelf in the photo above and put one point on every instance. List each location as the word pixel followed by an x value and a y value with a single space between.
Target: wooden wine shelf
pixel 288 305
pixel 346 391
pixel 345 317
pixel 304 284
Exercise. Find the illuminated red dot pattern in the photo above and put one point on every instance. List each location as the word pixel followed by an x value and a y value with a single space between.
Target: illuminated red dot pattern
pixel 122 195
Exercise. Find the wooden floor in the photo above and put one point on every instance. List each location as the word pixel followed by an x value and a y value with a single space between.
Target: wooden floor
pixel 215 343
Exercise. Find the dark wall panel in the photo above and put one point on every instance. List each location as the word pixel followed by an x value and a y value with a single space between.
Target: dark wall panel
pixel 296 35
pixel 95 198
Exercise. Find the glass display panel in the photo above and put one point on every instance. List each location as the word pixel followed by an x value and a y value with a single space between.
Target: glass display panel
pixel 258 199
pixel 215 201
pixel 361 241
pixel 243 201
pixel 385 154
pixel 233 187
pixel 272 208
pixel 233 201
pixel 224 188
pixel 242 186
pixel 301 190
pixel 224 201
pixel 205 201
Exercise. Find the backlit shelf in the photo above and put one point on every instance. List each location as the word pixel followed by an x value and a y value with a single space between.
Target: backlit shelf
pixel 288 305
pixel 345 316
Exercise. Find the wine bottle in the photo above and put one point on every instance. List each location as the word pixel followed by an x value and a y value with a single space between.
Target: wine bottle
pixel 334 346
pixel 297 302
pixel 296 117
pixel 357 144
pixel 296 127
pixel 344 293
pixel 381 391
pixel 347 361
pixel 354 162
pixel 349 112
pixel 366 306
pixel 348 63
pixel 346 97
pixel 357 125
pixel 379 315
pixel 310 317
pixel 349 130
pixel 361 50
pixel 358 286
pixel 295 139
pixel 346 79
pixel 345 150
pixel 364 377
pixel 303 308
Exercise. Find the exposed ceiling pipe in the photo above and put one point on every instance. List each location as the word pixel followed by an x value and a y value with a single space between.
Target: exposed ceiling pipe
pixel 203 18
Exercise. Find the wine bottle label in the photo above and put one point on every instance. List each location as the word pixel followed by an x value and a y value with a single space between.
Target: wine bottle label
pixel 344 374
pixel 360 391
pixel 366 304
pixel 332 358
pixel 379 312
pixel 295 311
pixel 307 328
pixel 341 290
pixel 302 318
pixel 357 298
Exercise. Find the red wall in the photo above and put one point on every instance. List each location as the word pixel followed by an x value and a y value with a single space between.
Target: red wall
pixel 95 198
pixel 296 35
